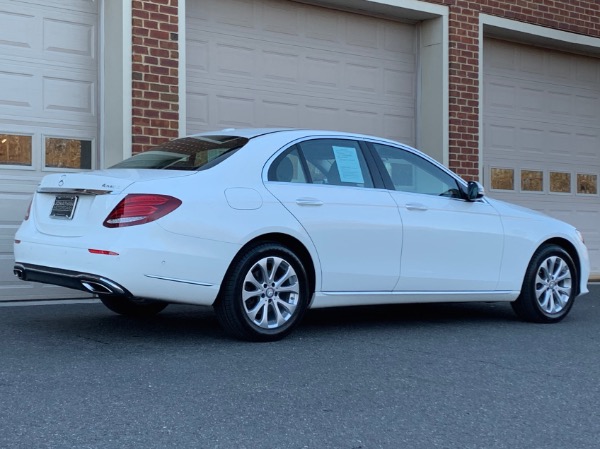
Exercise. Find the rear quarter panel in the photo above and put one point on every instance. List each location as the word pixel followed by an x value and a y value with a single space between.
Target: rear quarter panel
pixel 206 213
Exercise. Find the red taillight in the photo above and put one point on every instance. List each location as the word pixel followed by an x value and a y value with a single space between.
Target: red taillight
pixel 136 209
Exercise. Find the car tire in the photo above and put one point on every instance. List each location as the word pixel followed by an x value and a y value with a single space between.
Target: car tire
pixel 549 287
pixel 131 307
pixel 264 295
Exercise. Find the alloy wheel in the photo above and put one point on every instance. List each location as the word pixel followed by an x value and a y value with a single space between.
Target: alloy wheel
pixel 270 292
pixel 553 285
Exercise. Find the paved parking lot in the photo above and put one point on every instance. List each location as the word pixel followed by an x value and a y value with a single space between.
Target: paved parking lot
pixel 448 376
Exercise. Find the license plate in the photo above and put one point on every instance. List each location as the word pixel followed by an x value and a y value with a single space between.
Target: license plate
pixel 64 207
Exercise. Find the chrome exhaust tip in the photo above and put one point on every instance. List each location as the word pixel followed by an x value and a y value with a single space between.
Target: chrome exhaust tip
pixel 97 288
pixel 18 272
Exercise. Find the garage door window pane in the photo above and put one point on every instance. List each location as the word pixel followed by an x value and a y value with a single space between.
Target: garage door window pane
pixel 560 182
pixel 15 150
pixel 68 153
pixel 587 184
pixel 503 179
pixel 532 181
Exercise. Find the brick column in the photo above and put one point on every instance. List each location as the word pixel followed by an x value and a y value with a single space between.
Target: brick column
pixel 155 72
pixel 463 58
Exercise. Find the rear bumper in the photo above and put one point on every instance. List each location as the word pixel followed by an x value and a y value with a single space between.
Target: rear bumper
pixel 71 279
pixel 174 269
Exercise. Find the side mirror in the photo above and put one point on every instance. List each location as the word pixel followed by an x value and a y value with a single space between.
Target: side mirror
pixel 474 191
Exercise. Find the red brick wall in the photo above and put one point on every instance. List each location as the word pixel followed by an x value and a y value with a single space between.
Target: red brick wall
pixel 155 72
pixel 155 57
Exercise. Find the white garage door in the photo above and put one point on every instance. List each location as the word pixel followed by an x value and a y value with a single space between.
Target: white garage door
pixel 272 63
pixel 48 118
pixel 541 120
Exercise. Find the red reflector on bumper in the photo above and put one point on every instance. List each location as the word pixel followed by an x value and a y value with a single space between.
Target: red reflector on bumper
pixel 103 252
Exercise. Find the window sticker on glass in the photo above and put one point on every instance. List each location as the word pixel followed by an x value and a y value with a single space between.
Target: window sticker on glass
pixel 348 164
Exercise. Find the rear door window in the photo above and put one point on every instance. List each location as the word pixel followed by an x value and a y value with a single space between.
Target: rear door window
pixel 323 161
pixel 336 162
pixel 288 167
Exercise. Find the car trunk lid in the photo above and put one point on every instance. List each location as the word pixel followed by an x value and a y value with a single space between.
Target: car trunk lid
pixel 71 204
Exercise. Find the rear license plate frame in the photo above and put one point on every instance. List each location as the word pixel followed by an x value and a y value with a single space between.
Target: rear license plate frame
pixel 64 207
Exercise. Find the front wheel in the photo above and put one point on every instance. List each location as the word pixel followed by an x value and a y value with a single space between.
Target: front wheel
pixel 549 287
pixel 131 307
pixel 264 295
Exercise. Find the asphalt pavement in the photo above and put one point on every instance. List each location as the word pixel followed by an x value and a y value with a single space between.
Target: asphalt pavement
pixel 75 375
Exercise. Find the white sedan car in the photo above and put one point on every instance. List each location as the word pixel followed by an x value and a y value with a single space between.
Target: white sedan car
pixel 262 224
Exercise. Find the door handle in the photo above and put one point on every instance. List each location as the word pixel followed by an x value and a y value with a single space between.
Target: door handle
pixel 415 206
pixel 309 202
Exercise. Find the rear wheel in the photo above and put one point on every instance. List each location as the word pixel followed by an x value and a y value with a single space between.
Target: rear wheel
pixel 264 295
pixel 549 287
pixel 132 307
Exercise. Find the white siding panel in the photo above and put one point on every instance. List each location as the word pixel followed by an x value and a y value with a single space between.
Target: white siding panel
pixel 282 63
pixel 17 91
pixel 541 111
pixel 69 95
pixel 77 39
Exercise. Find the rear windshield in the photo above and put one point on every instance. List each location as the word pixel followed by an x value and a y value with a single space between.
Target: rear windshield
pixel 188 153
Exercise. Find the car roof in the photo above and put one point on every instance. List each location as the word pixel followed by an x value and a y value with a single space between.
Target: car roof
pixel 243 132
pixel 250 133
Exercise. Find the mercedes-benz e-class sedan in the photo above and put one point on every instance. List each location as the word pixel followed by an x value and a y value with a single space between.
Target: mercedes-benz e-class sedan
pixel 262 224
